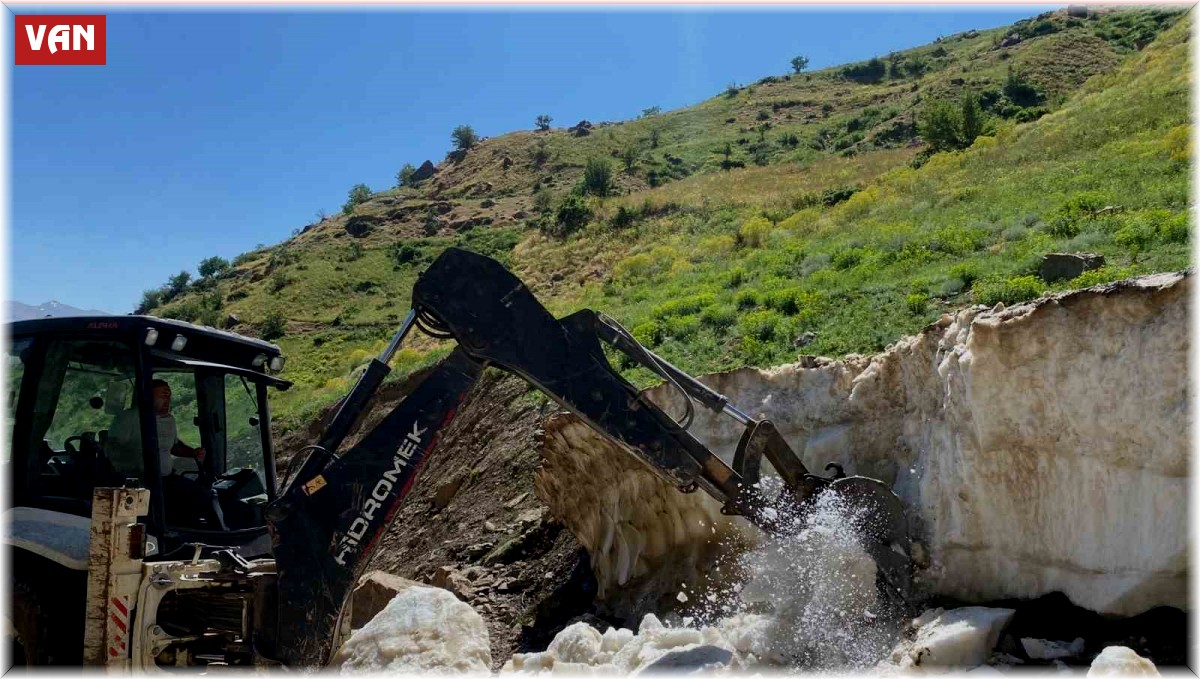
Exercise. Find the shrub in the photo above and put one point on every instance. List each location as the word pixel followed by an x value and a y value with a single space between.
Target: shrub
pixel 624 218
pixel 178 283
pixel 405 176
pixel 754 232
pixel 629 158
pixel 649 333
pixel 406 253
pixel 945 125
pixel 1105 274
pixel 682 327
pixel 572 215
pixel 543 122
pixel 150 300
pixel 833 196
pixel 651 112
pixel 279 281
pixel 718 316
pixel 543 201
pixel 867 72
pixel 597 177
pixel 359 193
pixel 716 246
pixel 746 299
pixel 1012 291
pixel 731 90
pixel 784 301
pixel 916 302
pixel 464 138
pixel 760 325
pixel 213 266
pixel 273 326
pixel 1020 90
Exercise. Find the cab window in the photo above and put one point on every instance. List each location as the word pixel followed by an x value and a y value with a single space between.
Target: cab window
pixel 85 429
pixel 17 351
pixel 243 443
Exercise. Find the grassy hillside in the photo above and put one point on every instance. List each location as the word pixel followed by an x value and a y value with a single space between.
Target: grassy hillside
pixel 839 232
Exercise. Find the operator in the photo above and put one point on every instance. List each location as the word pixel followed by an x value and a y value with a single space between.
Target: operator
pixel 169 445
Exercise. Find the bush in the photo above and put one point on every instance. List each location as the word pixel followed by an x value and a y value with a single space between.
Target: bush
pixel 718 316
pixel 406 253
pixel 833 196
pixel 916 302
pixel 572 215
pixel 405 176
pixel 279 281
pixel 731 90
pixel 359 193
pixel 273 326
pixel 1105 274
pixel 867 72
pixel 150 301
pixel 178 283
pixel 753 233
pixel 761 324
pixel 746 299
pixel 464 138
pixel 1020 90
pixel 213 266
pixel 597 177
pixel 945 125
pixel 1012 291
pixel 624 218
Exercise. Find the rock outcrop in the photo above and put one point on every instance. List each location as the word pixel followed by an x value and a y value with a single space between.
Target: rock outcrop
pixel 1038 448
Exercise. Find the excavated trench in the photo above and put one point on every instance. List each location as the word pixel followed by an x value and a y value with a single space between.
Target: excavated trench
pixel 1041 453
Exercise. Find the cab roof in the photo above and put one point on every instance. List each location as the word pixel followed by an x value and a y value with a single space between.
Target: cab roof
pixel 203 343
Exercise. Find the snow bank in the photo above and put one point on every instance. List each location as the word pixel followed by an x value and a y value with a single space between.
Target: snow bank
pixel 1039 448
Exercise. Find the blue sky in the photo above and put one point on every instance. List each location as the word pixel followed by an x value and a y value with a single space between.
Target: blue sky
pixel 208 133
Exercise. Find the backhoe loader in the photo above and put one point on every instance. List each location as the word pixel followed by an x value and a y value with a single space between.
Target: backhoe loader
pixel 113 565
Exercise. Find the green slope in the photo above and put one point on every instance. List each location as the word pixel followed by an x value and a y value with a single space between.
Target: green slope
pixel 717 269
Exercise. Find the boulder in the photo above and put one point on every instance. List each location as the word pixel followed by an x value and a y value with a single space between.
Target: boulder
pixel 691 660
pixel 452 580
pixel 374 591
pixel 421 630
pixel 1121 661
pixel 424 172
pixel 1010 40
pixel 1061 266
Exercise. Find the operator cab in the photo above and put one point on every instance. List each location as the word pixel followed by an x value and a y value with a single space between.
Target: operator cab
pixel 82 414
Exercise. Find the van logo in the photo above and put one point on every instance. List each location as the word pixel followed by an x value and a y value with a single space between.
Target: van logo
pixel 60 40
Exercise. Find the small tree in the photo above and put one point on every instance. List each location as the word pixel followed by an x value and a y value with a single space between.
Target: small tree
pixel 572 215
pixel 405 176
pixel 150 300
pixel 651 112
pixel 543 122
pixel 359 193
pixel 629 157
pixel 799 64
pixel 273 326
pixel 213 266
pixel 464 138
pixel 654 134
pixel 178 283
pixel 972 121
pixel 938 125
pixel 597 177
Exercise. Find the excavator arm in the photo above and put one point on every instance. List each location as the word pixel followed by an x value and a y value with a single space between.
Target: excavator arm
pixel 330 516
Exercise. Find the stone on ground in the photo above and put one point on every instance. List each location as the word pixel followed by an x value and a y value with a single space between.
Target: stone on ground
pixel 374 591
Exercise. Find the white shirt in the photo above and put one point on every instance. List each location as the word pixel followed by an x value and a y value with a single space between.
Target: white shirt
pixel 167 437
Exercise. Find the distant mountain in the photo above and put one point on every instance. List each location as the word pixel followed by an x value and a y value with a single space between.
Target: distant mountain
pixel 18 311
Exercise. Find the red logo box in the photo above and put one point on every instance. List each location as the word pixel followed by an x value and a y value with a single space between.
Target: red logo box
pixel 60 40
